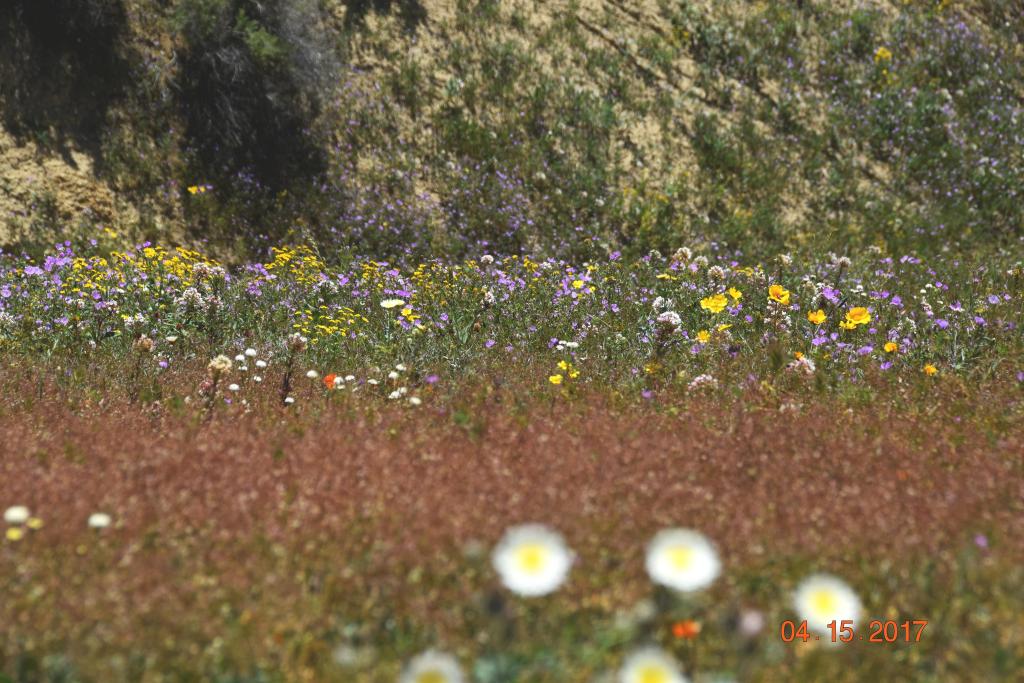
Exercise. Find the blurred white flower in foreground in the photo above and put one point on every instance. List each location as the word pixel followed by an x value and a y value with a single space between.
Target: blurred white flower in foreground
pixel 650 665
pixel 682 559
pixel 99 520
pixel 532 560
pixel 822 598
pixel 16 514
pixel 432 667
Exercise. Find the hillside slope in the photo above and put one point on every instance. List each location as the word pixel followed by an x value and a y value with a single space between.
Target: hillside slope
pixel 448 126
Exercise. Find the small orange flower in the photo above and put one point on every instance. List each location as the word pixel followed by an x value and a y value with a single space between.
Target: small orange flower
pixel 687 628
pixel 329 380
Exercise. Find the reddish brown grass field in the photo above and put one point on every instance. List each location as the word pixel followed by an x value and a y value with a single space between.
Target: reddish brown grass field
pixel 270 524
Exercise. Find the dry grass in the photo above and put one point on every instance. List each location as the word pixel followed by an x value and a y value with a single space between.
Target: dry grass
pixel 268 530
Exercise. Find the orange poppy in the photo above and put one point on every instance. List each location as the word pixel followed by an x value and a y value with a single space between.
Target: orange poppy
pixel 688 628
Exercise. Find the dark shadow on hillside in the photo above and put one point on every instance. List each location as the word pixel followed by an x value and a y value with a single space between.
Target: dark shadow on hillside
pixel 61 70
pixel 412 12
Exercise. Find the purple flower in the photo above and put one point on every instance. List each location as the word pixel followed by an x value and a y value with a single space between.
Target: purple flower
pixel 981 540
pixel 432 379
pixel 832 295
pixel 942 323
pixel 992 298
pixel 647 393
pixel 490 343
pixel 865 350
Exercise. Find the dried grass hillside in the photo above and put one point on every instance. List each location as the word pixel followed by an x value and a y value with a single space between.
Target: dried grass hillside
pixel 526 126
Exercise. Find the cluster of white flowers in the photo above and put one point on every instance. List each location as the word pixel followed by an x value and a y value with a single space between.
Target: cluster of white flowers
pixel 662 304
pixel 219 366
pixel 668 322
pixel 191 300
pixel 701 382
pixel 562 345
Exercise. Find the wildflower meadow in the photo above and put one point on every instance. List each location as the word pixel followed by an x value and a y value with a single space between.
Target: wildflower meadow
pixel 480 342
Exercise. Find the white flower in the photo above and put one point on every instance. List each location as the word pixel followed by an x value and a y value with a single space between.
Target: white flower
pixel 392 375
pixel 257 379
pixel 702 381
pixel 532 560
pixel 822 598
pixel 250 352
pixel 171 339
pixel 219 365
pixel 432 667
pixel 261 364
pixel 662 304
pixel 233 387
pixel 415 400
pixel 669 321
pixel 392 303
pixel 16 514
pixel 372 382
pixel 650 665
pixel 312 374
pixel 400 367
pixel 239 358
pixel 350 378
pixel 289 400
pixel 99 520
pixel 487 259
pixel 682 559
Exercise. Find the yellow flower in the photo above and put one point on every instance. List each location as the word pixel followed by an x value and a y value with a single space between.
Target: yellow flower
pixel 703 336
pixel 577 284
pixel 930 370
pixel 723 327
pixel 891 347
pixel 883 54
pixel 735 294
pixel 857 316
pixel 15 533
pixel 555 379
pixel 779 294
pixel 817 317
pixel 715 303
pixel 34 523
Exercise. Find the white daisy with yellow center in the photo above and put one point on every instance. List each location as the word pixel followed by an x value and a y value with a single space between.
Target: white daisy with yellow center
pixel 682 559
pixel 822 598
pixel 532 560
pixel 432 666
pixel 650 665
